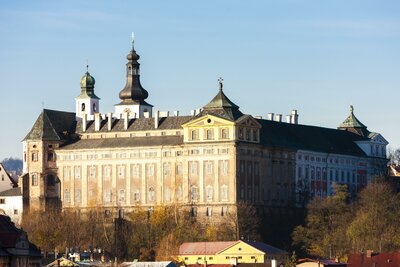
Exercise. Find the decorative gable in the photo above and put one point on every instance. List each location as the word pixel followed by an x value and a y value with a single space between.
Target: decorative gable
pixel 208 128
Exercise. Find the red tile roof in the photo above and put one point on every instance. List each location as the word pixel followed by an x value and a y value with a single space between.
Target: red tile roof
pixel 206 248
pixel 376 260
pixel 325 262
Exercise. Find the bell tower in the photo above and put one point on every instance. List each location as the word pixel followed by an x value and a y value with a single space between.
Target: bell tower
pixel 133 95
pixel 87 102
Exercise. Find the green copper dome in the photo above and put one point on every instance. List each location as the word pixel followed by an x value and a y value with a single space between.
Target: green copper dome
pixel 87 80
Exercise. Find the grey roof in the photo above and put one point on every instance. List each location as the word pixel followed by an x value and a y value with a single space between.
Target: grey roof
pixel 313 138
pixel 52 125
pixel 138 124
pixel 127 142
pixel 268 249
pixel 16 191
pixel 221 106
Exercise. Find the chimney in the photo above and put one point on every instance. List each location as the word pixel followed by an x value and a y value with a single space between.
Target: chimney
pixel 193 112
pixel 288 118
pixel 270 116
pixel 156 118
pixel 109 121
pixel 97 121
pixel 84 122
pixel 295 116
pixel 278 117
pixel 164 114
pixel 259 117
pixel 176 113
pixel 126 120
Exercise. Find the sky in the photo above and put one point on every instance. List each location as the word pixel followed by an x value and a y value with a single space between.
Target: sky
pixel 318 57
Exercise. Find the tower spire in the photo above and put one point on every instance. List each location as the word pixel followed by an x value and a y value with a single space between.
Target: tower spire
pixel 220 84
pixel 133 95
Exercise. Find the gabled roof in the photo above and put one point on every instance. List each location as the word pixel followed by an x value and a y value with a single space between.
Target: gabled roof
pixel 267 249
pixel 16 191
pixel 313 138
pixel 208 248
pixel 14 183
pixel 376 259
pixel 52 125
pixel 325 262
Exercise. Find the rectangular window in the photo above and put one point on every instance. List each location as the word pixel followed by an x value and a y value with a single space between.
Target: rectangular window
pixel 77 195
pixel 136 170
pixel 92 171
pixel 193 168
pixel 67 197
pixel 77 172
pixel 179 169
pixel 224 211
pixel 15 212
pixel 50 156
pixel 167 169
pixel 66 173
pixel 107 172
pixel 150 169
pixel 121 195
pixel 34 180
pixel 209 167
pixel 193 212
pixel 224 167
pixel 2 201
pixel 121 171
pixel 224 133
pixel 34 156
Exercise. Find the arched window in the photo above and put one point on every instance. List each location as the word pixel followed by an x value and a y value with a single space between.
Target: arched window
pixel 94 107
pixel 83 107
pixel 151 194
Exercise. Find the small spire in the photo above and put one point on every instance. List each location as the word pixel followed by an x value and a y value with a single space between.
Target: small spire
pixel 351 109
pixel 220 80
pixel 133 39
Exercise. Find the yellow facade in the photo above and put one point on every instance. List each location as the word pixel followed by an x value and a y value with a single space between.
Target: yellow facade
pixel 239 252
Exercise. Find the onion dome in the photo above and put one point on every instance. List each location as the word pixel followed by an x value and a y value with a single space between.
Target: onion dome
pixel 87 85
pixel 133 92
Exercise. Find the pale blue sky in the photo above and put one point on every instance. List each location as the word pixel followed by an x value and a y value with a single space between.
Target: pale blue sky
pixel 315 56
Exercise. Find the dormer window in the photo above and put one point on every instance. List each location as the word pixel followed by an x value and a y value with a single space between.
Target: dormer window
pixel 193 135
pixel 224 133
pixel 241 133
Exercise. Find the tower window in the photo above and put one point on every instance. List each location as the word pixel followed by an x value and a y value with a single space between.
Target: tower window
pixel 83 107
pixel 34 180
pixel 94 107
pixel 50 156
pixel 34 156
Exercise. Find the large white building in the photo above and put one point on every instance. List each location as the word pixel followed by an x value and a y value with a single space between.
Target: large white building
pixel 207 161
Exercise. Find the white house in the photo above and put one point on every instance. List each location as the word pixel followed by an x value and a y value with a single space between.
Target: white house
pixel 11 204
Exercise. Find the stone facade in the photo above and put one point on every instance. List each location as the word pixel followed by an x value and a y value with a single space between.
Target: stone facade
pixel 208 161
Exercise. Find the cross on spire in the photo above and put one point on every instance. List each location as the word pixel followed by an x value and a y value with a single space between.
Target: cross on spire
pixel 220 80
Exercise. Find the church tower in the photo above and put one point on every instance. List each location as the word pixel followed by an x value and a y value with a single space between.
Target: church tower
pixel 87 102
pixel 133 95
